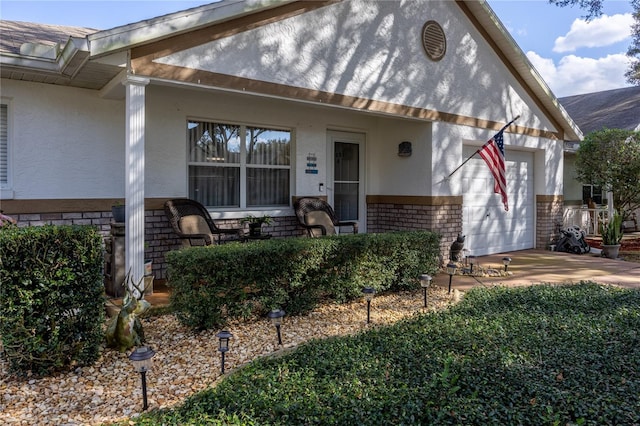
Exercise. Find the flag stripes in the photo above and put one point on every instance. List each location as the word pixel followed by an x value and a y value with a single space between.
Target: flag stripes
pixel 492 153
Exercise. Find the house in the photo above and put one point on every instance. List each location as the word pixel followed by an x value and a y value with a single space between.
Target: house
pixel 611 109
pixel 246 105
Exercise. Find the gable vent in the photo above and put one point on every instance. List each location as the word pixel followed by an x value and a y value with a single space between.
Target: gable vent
pixel 433 40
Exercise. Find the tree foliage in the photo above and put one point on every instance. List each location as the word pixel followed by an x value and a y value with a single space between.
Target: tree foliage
pixel 594 9
pixel 611 158
pixel 633 73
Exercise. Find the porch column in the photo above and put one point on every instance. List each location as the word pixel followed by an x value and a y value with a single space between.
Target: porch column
pixel 134 181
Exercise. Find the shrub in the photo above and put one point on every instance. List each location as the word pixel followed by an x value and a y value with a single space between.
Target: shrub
pixel 211 284
pixel 541 355
pixel 51 298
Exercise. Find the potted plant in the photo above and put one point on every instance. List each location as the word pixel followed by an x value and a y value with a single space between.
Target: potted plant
pixel 117 211
pixel 611 232
pixel 255 224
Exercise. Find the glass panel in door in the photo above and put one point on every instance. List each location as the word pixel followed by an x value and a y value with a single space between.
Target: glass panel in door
pixel 346 175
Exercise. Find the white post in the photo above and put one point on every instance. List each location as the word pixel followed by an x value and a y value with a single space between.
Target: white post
pixel 134 173
pixel 610 204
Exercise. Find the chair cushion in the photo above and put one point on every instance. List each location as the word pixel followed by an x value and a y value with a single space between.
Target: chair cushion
pixel 194 224
pixel 319 217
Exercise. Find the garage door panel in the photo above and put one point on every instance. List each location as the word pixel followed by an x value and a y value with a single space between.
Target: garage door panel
pixel 487 226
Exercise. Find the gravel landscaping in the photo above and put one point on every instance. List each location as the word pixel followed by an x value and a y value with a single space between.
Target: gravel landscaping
pixel 186 362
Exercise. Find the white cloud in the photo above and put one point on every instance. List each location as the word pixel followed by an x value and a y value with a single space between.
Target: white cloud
pixel 602 31
pixel 574 75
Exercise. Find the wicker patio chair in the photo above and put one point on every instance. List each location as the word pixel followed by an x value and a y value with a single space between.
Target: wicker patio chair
pixel 317 217
pixel 192 222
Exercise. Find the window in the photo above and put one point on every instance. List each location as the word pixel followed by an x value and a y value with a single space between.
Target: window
pixel 238 166
pixel 4 147
pixel 591 192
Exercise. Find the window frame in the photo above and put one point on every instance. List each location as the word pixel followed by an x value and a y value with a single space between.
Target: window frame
pixel 6 188
pixel 243 165
pixel 594 193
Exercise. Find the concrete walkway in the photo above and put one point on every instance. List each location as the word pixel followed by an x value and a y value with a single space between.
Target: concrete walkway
pixel 539 266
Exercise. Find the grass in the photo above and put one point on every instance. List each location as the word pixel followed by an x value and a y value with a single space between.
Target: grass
pixel 541 355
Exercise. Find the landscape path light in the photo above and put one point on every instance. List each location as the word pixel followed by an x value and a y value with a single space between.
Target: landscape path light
pixel 276 319
pixel 425 282
pixel 451 270
pixel 472 261
pixel 141 360
pixel 368 296
pixel 223 347
pixel 506 261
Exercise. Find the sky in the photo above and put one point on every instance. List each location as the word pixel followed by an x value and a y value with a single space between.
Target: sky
pixel 572 55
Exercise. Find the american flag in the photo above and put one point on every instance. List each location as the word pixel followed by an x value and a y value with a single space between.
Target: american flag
pixel 492 153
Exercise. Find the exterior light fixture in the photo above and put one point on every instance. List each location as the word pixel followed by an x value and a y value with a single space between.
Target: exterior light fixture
pixel 506 261
pixel 223 347
pixel 368 296
pixel 276 319
pixel 472 261
pixel 451 270
pixel 425 282
pixel 141 360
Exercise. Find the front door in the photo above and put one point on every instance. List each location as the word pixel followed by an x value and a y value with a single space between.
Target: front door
pixel 345 192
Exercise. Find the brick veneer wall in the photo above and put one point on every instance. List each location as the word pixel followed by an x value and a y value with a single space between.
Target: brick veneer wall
pixel 158 234
pixel 397 213
pixel 549 211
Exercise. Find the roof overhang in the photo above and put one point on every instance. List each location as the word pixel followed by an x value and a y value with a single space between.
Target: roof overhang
pixel 68 61
pixel 132 35
pixel 487 21
pixel 97 61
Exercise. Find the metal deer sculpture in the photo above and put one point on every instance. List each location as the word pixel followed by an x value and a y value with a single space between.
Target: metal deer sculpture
pixel 125 330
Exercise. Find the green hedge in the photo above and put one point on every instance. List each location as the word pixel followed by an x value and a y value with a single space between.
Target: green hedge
pixel 51 297
pixel 216 283
pixel 539 355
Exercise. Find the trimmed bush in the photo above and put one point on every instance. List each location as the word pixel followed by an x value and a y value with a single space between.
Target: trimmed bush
pixel 215 283
pixel 51 297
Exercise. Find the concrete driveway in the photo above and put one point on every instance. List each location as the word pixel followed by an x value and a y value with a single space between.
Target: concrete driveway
pixel 539 266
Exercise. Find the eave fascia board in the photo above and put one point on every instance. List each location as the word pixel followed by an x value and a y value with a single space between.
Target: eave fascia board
pixel 60 65
pixel 541 88
pixel 28 63
pixel 71 51
pixel 129 36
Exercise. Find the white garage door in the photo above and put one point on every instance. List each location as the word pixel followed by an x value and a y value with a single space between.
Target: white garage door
pixel 488 227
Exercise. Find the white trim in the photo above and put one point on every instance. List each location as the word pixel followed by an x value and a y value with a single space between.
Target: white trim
pixel 358 138
pixel 134 176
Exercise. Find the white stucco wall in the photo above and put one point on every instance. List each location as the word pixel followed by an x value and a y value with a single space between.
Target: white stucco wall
pixel 386 173
pixel 65 142
pixel 373 49
pixel 69 143
pixel 447 155
pixel 393 175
